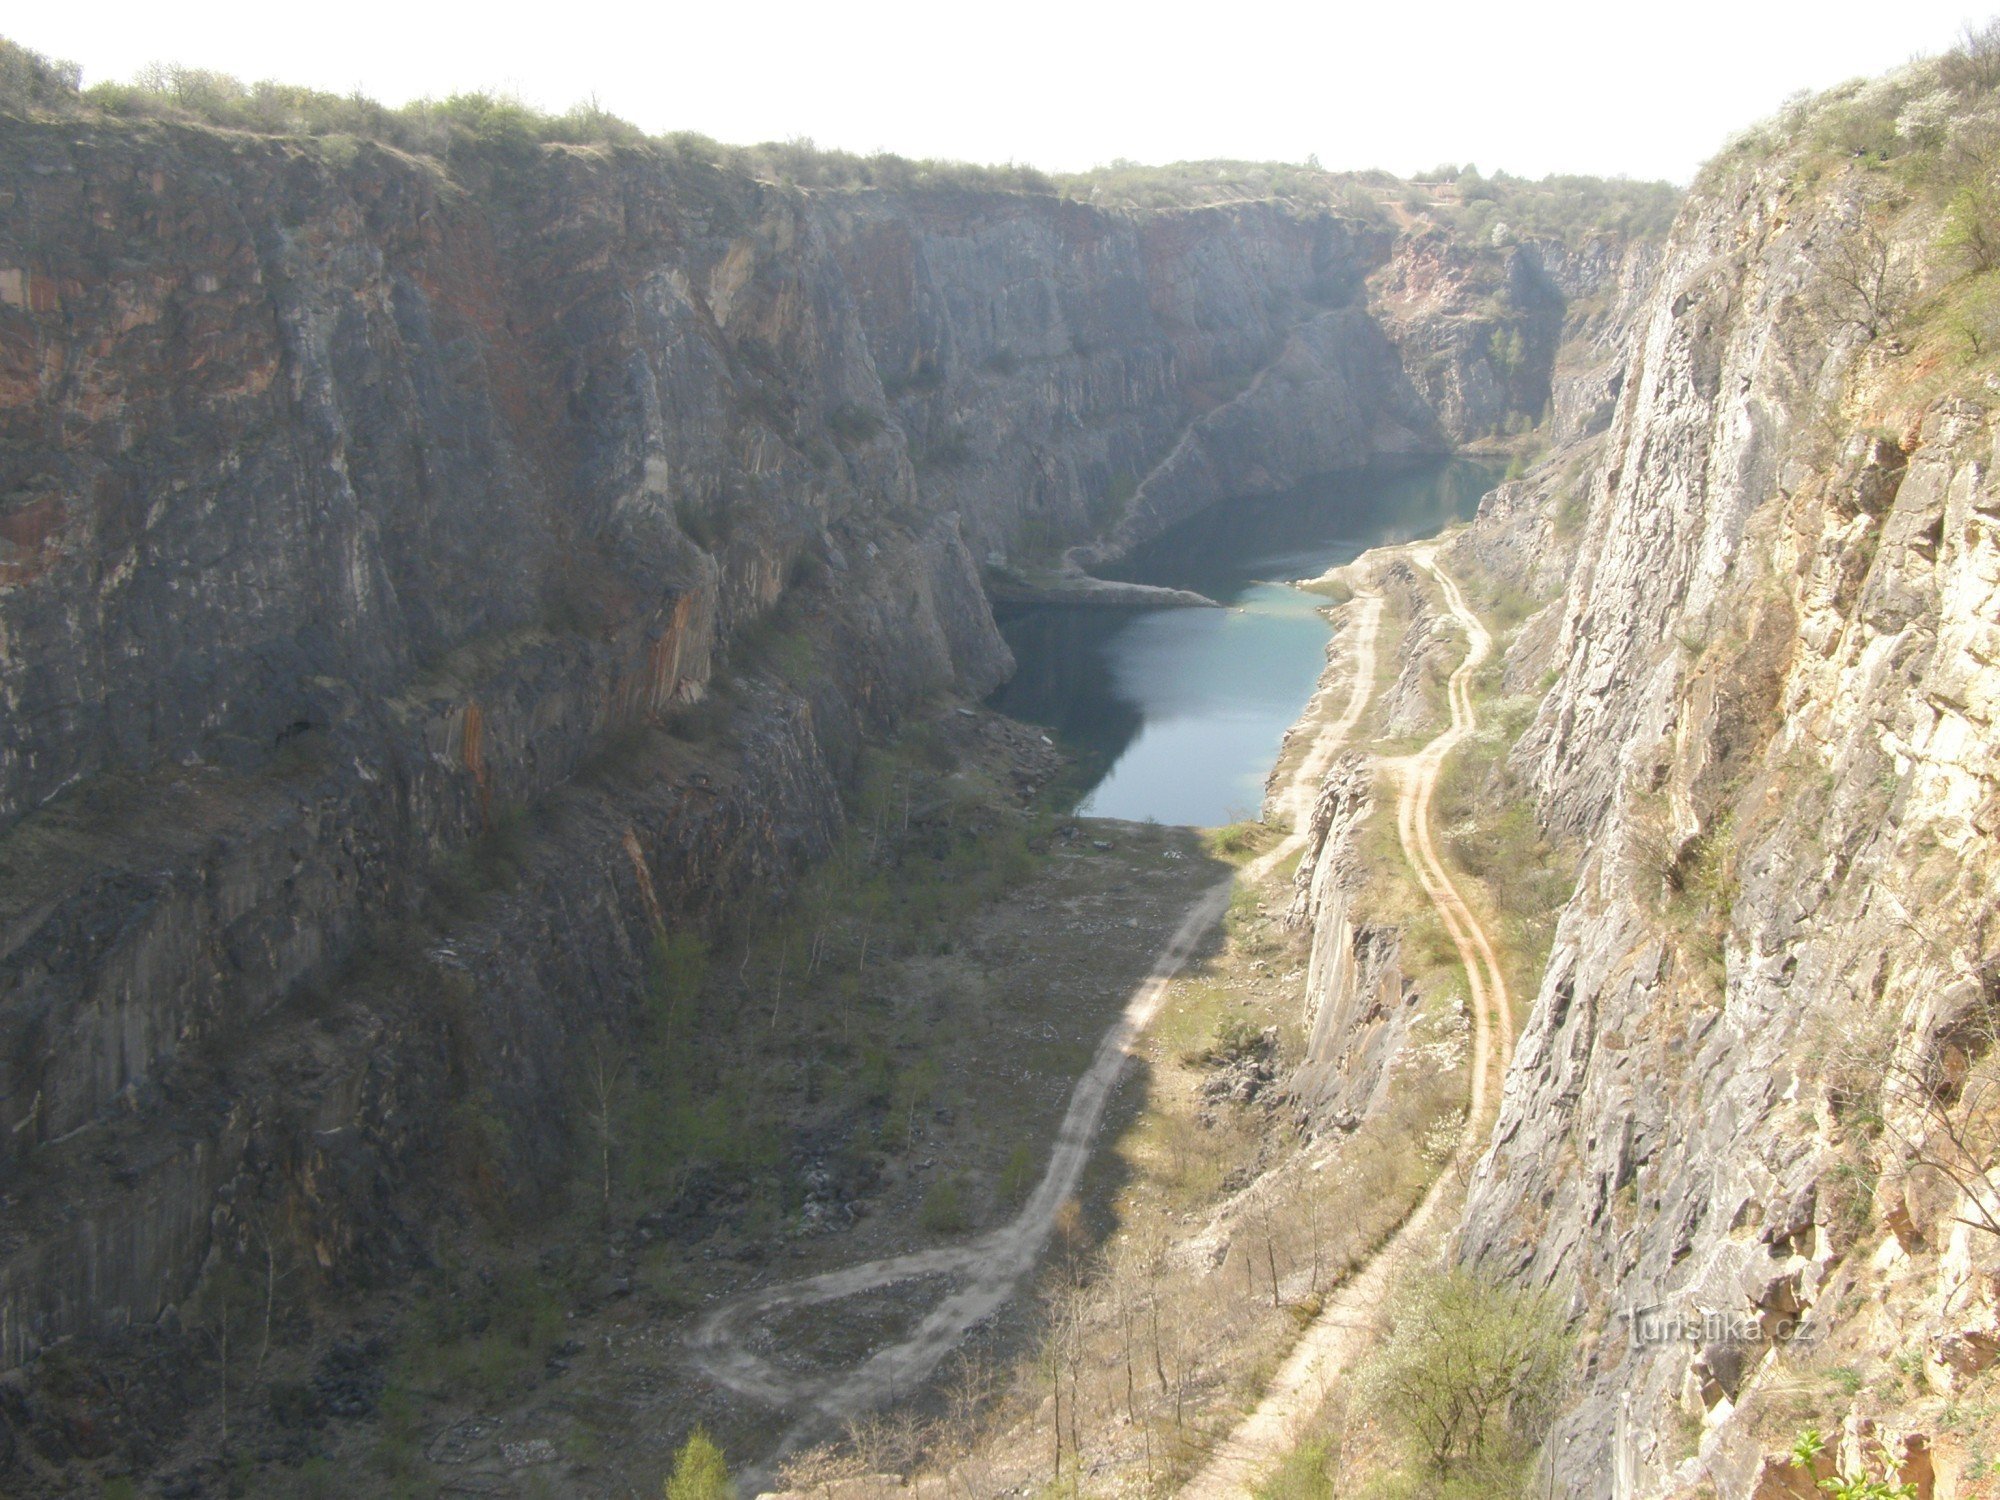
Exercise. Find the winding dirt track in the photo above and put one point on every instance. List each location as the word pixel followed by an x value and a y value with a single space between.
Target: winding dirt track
pixel 1341 1331
pixel 987 1271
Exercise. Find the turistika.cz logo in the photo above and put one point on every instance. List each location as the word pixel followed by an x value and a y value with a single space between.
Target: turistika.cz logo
pixel 1660 1324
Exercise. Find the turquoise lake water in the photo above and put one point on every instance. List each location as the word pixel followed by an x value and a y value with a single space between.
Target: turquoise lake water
pixel 1176 714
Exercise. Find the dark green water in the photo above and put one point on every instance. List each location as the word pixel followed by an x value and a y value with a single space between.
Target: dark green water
pixel 1176 714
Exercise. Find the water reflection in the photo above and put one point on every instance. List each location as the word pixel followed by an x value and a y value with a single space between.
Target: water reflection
pixel 1177 714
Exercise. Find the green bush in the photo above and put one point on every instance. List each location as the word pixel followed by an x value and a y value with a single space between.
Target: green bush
pixel 700 1473
pixel 925 374
pixel 780 644
pixel 1233 1038
pixel 482 1336
pixel 945 1209
pixel 800 163
pixel 1863 129
pixel 676 971
pixel 949 449
pixel 1235 842
pixel 706 523
pixel 1303 1474
pixel 1972 225
pixel 1470 1372
pixel 1017 1174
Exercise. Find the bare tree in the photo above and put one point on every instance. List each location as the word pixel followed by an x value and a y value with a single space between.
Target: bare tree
pixel 1064 1352
pixel 604 1067
pixel 778 985
pixel 1973 66
pixel 223 1302
pixel 868 1441
pixel 820 1469
pixel 1267 1223
pixel 1315 1212
pixel 1861 285
pixel 1941 1101
pixel 968 1392
pixel 270 1292
pixel 1120 1277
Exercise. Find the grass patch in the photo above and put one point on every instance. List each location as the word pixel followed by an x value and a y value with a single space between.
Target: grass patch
pixel 481 1334
pixel 1239 843
pixel 947 1207
pixel 1334 590
pixel 1490 834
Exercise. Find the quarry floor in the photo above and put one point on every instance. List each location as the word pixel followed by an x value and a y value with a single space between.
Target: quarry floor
pixel 901 1323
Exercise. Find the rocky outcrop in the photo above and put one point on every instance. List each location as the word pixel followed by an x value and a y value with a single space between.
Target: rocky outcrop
pixel 1071 587
pixel 1771 731
pixel 1477 328
pixel 1606 286
pixel 1358 1006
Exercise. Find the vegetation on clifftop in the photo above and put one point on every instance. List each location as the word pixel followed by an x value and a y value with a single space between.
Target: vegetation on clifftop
pixel 1556 207
pixel 1565 208
pixel 464 124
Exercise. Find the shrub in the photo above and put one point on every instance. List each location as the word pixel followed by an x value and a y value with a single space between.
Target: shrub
pixel 484 1335
pixel 700 1473
pixel 779 644
pixel 30 81
pixel 1972 225
pixel 1470 1371
pixel 1234 1038
pixel 1235 841
pixel 1810 1453
pixel 1304 1474
pixel 1863 129
pixel 944 1209
pixel 1573 509
pixel 924 374
pixel 1973 66
pixel 851 423
pixel 801 163
pixel 948 449
pixel 1017 1175
pixel 676 971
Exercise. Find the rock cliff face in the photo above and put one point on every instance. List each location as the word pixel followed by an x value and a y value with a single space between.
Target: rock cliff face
pixel 1339 364
pixel 1044 356
pixel 1359 1007
pixel 1479 331
pixel 353 512
pixel 366 528
pixel 1771 734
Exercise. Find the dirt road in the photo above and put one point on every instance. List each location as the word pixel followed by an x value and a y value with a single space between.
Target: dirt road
pixel 987 1271
pixel 1342 1330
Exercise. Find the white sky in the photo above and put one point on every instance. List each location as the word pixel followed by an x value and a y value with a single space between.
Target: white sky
pixel 1565 86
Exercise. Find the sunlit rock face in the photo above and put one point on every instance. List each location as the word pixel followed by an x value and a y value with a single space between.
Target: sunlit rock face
pixel 1768 732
